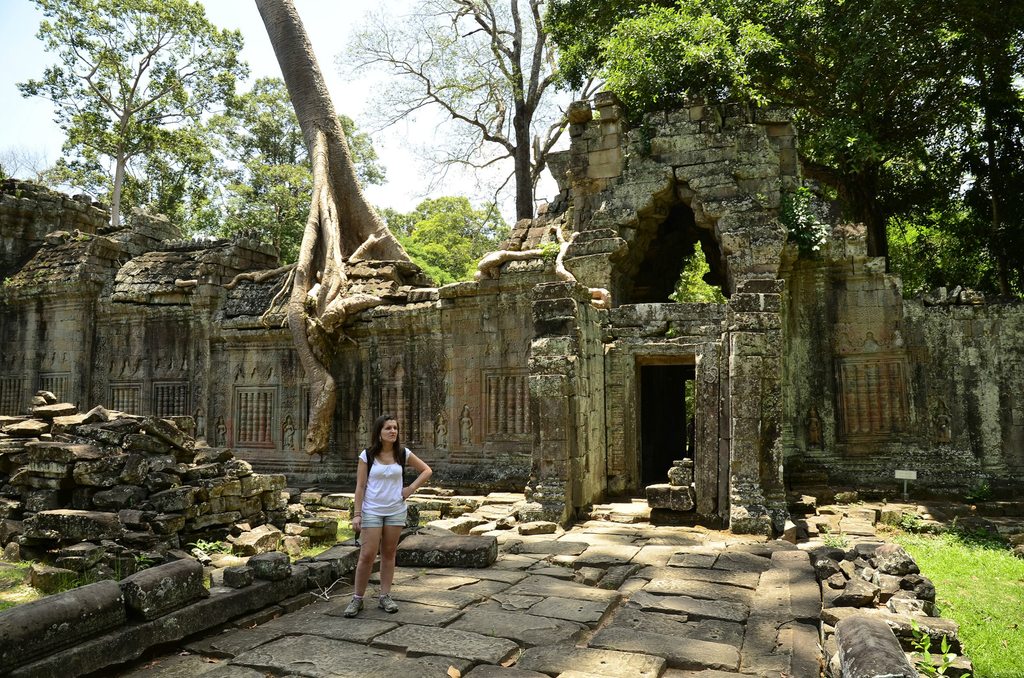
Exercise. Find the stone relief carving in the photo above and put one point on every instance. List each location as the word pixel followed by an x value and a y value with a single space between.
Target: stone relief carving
pixel 943 424
pixel 441 432
pixel 220 438
pixel 288 433
pixel 466 426
pixel 813 428
pixel 873 396
pixel 200 423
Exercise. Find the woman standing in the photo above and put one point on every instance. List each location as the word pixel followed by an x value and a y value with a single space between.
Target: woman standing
pixel 380 509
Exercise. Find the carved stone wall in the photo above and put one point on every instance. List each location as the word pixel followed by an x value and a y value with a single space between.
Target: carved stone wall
pixel 876 383
pixel 815 370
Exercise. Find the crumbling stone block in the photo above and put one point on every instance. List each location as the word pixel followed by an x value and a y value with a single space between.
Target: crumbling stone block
pixel 273 566
pixel 422 550
pixel 239 576
pixel 72 525
pixel 261 539
pixel 158 590
pixel 868 648
pixel 47 625
pixel 671 497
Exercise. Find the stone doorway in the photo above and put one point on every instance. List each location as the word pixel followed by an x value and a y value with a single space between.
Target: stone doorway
pixel 667 418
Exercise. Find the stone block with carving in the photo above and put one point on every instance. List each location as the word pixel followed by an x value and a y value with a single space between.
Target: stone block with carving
pixel 48 625
pixel 422 550
pixel 681 473
pixel 158 590
pixel 71 525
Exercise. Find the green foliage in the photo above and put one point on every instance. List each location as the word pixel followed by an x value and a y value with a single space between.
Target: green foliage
pixel 940 249
pixel 836 540
pixel 550 250
pixel 447 236
pixel 692 286
pixel 803 224
pixel 268 185
pixel 922 643
pixel 980 585
pixel 130 75
pixel 211 546
pixel 980 491
pixel 693 42
pixel 907 109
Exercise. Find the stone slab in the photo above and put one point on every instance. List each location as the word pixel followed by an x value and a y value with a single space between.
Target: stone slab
pixel 557 659
pixel 317 621
pixel 693 608
pixel 682 653
pixel 424 550
pixel 417 640
pixel 740 561
pixel 515 602
pixel 155 591
pixel 489 573
pixel 428 596
pixel 606 555
pixel 582 611
pixel 698 589
pixel 408 612
pixel 537 585
pixel 441 581
pixel 184 666
pixel 417 667
pixel 747 580
pixel 526 629
pixel 693 560
pixel 489 671
pixel 714 630
pixel 235 641
pixel 552 547
pixel 315 657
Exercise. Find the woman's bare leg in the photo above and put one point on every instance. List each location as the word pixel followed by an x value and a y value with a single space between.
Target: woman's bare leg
pixel 388 548
pixel 369 539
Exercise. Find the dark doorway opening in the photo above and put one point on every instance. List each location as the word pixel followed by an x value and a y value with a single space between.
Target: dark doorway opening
pixel 666 419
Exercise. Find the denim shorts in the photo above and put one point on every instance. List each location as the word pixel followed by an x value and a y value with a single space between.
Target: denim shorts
pixel 371 521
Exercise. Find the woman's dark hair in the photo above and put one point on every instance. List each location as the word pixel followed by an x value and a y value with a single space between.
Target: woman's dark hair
pixel 375 442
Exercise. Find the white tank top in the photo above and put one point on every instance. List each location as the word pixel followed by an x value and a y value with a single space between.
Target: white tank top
pixel 383 495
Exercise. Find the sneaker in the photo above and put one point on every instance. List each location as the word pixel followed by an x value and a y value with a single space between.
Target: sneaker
pixel 385 603
pixel 353 607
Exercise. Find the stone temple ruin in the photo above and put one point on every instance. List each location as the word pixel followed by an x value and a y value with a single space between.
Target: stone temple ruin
pixel 816 372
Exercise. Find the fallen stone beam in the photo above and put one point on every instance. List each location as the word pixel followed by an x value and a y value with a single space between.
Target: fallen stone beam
pixel 48 625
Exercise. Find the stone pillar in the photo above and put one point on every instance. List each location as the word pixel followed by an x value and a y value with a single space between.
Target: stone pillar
pixel 757 499
pixel 554 361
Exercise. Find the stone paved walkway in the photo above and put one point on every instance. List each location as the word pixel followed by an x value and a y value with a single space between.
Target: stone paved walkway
pixel 602 599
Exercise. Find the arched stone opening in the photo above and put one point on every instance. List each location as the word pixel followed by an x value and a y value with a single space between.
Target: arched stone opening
pixel 665 242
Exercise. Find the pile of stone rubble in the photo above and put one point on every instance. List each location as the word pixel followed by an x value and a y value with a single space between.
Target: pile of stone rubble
pixel 102 493
pixel 881 582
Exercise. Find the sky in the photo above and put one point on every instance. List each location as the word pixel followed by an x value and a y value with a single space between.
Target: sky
pixel 27 124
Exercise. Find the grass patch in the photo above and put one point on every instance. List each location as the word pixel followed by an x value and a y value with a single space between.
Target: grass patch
pixel 14 588
pixel 980 585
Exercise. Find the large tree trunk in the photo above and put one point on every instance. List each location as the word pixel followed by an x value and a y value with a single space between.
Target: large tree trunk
pixel 523 165
pixel 341 222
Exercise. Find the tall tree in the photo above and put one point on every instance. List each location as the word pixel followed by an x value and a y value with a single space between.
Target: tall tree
pixel 872 81
pixel 487 65
pixel 270 177
pixel 341 223
pixel 128 69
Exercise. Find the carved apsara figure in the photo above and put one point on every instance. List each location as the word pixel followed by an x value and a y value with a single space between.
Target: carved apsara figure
pixel 465 426
pixel 200 423
pixel 813 428
pixel 441 432
pixel 288 433
pixel 943 424
pixel 221 437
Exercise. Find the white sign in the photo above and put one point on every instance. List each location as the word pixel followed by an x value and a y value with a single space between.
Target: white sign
pixel 905 475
